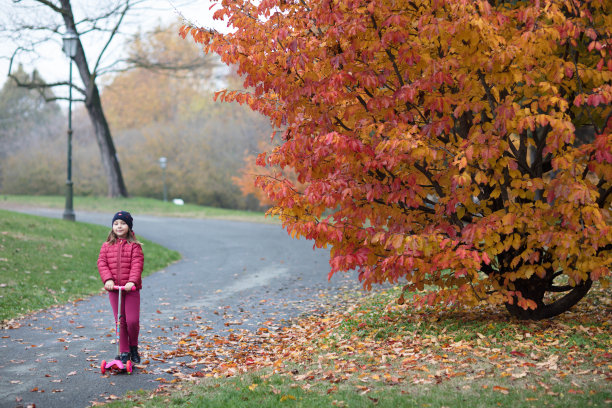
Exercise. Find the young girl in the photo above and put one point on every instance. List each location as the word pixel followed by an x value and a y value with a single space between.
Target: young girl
pixel 120 263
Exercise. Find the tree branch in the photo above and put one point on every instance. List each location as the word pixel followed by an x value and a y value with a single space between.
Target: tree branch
pixel 605 123
pixel 603 196
pixel 341 124
pixel 64 98
pixel 487 88
pixel 110 38
pixel 48 4
pixel 429 176
pixel 558 289
pixel 40 86
pixel 540 139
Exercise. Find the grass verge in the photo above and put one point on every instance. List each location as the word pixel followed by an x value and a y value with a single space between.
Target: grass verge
pixel 273 390
pixel 136 205
pixel 46 261
pixel 378 353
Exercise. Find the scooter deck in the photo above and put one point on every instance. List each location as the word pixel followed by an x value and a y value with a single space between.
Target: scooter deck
pixel 116 365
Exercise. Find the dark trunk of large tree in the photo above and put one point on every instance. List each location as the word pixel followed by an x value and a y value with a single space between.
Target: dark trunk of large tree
pixel 110 162
pixel 535 289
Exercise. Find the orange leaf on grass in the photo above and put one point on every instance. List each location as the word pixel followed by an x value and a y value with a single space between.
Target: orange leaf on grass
pixel 503 390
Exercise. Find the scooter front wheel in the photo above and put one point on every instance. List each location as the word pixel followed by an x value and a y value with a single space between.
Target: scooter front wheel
pixel 103 367
pixel 129 367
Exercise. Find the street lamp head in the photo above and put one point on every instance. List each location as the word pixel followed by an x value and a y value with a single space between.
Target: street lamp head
pixel 70 41
pixel 162 162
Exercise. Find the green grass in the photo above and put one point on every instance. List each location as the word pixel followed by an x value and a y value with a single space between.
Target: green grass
pixel 263 390
pixel 136 205
pixel 46 261
pixel 374 319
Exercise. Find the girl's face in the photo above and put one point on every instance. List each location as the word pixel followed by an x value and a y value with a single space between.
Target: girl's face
pixel 120 228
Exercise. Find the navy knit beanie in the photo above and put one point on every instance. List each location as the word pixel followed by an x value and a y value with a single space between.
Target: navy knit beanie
pixel 125 217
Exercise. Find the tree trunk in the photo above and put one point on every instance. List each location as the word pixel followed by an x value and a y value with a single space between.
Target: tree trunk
pixel 108 154
pixel 110 161
pixel 535 289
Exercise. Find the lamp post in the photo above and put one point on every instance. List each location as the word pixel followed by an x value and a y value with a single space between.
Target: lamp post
pixel 70 41
pixel 163 163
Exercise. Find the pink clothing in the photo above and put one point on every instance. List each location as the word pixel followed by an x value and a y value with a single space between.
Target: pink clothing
pixel 130 319
pixel 122 262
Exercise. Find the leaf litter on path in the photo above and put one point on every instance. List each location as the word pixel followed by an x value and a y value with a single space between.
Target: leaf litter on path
pixel 377 345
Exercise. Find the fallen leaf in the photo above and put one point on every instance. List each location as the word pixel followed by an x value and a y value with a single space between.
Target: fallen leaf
pixel 503 390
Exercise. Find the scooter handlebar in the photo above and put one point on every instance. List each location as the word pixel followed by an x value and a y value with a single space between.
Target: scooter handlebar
pixel 116 287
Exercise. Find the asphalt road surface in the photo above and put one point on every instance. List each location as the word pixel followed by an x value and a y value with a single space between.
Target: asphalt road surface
pixel 247 272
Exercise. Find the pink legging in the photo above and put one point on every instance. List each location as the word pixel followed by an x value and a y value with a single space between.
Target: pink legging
pixel 130 319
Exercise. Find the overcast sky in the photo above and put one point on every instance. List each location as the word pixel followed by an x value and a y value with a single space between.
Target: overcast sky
pixel 53 64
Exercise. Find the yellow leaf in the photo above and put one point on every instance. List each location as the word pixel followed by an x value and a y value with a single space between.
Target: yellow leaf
pixel 460 212
pixel 287 397
pixel 516 244
pixel 509 219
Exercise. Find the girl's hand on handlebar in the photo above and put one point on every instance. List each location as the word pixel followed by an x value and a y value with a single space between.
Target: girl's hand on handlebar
pixel 129 286
pixel 109 285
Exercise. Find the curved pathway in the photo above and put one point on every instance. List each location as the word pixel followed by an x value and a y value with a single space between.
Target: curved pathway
pixel 232 274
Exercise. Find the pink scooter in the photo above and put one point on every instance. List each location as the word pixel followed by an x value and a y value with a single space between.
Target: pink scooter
pixel 117 364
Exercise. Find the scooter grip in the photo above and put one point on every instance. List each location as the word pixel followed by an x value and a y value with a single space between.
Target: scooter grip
pixel 123 287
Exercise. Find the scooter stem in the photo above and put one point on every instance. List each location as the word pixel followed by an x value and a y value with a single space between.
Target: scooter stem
pixel 118 322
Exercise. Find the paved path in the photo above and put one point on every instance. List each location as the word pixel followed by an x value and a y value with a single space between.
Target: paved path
pixel 245 272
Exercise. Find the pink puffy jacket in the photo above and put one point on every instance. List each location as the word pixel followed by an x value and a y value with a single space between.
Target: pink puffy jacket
pixel 122 262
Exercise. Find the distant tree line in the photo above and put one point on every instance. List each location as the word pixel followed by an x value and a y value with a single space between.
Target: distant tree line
pixel 152 113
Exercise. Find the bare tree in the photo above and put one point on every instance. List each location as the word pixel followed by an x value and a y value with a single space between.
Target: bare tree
pixel 40 22
pixel 37 23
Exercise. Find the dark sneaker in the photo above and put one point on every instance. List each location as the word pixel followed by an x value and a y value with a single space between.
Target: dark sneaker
pixel 124 357
pixel 134 354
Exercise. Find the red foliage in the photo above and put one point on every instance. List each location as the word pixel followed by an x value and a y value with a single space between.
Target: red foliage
pixel 454 144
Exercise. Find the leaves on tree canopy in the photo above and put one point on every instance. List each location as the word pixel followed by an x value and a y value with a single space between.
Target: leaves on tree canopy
pixel 461 145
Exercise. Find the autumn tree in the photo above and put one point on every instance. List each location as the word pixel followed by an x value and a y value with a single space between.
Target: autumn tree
pixel 160 109
pixel 165 75
pixel 460 145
